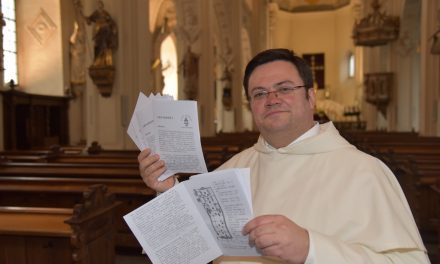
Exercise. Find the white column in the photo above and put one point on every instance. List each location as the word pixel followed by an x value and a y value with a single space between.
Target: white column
pixel 206 73
pixel 430 67
pixel 237 61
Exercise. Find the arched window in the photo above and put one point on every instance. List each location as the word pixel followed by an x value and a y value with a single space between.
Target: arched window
pixel 9 41
pixel 168 57
pixel 351 65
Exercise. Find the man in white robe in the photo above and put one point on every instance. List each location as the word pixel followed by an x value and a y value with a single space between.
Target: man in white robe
pixel 350 202
pixel 316 198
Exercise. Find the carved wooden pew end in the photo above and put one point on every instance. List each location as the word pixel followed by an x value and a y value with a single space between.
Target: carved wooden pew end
pixel 83 234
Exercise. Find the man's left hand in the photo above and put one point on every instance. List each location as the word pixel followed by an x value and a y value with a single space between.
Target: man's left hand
pixel 277 236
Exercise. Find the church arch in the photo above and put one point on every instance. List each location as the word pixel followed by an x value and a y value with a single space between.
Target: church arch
pixel 163 29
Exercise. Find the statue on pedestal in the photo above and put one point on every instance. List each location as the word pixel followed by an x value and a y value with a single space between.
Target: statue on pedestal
pixel 105 37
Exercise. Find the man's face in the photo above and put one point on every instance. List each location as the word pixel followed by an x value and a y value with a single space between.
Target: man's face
pixel 289 110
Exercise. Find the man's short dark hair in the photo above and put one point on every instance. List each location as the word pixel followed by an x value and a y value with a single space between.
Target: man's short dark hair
pixel 274 55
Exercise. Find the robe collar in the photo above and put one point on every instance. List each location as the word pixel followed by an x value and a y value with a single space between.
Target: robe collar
pixel 320 138
pixel 309 133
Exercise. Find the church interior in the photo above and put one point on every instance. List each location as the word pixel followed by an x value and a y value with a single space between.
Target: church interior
pixel 73 70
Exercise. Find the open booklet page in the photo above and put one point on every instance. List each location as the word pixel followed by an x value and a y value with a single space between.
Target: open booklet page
pixel 223 199
pixel 197 220
pixel 171 129
pixel 171 231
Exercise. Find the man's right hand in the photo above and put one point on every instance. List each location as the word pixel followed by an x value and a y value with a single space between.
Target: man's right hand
pixel 150 168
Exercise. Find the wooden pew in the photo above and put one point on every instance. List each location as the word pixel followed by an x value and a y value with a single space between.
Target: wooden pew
pixel 242 140
pixel 216 151
pixel 418 175
pixel 94 159
pixel 415 161
pixel 75 169
pixel 417 168
pixel 370 139
pixel 81 234
pixel 436 189
pixel 359 137
pixel 71 155
pixel 40 184
pixel 216 155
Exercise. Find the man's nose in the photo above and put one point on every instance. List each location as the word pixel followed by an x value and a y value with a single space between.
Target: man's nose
pixel 275 94
pixel 272 100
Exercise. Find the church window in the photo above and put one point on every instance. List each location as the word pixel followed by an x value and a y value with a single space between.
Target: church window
pixel 168 57
pixel 351 65
pixel 9 41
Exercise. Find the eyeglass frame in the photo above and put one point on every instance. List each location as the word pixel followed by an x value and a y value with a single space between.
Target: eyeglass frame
pixel 283 90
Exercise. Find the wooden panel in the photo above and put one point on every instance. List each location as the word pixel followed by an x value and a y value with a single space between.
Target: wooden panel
pixel 12 250
pixel 32 121
pixel 48 250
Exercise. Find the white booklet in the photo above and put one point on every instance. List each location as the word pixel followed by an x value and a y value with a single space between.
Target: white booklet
pixel 197 220
pixel 169 128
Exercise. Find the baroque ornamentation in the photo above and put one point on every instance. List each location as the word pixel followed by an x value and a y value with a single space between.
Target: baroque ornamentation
pixel 378 90
pixel 376 28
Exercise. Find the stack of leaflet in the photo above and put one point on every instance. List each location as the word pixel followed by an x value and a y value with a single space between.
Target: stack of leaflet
pixel 169 128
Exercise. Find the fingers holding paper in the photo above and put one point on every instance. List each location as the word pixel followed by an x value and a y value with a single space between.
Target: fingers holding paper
pixel 150 168
pixel 278 236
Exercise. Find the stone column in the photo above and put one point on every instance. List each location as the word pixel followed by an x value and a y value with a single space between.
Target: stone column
pixel 430 67
pixel 206 73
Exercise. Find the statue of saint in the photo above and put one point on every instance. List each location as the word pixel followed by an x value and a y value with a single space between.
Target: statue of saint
pixel 227 89
pixel 105 36
pixel 78 55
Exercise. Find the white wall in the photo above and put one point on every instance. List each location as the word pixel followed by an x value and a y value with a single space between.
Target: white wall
pixel 106 119
pixel 39 40
pixel 327 32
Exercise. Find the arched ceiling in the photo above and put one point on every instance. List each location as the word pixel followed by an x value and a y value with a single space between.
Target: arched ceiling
pixel 310 5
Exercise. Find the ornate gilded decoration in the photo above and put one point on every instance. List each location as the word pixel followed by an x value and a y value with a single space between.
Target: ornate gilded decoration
pixel 103 77
pixel 227 88
pixel 376 28
pixel 310 5
pixel 378 89
pixel 190 24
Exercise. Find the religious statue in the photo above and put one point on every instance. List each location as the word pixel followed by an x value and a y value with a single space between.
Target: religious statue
pixel 227 89
pixel 105 35
pixel 190 66
pixel 78 55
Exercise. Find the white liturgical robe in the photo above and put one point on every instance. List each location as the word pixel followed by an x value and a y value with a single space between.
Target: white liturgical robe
pixel 350 202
